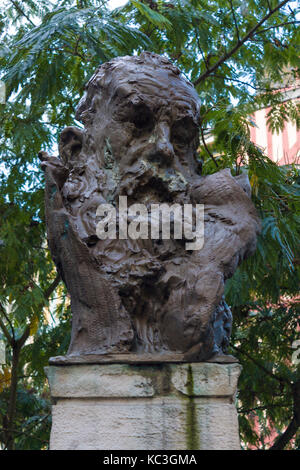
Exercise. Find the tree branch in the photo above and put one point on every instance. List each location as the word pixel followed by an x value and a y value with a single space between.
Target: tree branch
pixel 277 26
pixel 52 286
pixel 9 438
pixel 20 342
pixel 258 364
pixel 19 9
pixel 207 149
pixel 266 407
pixel 16 350
pixel 4 329
pixel 235 21
pixel 27 431
pixel 294 425
pixel 285 438
pixel 239 44
pixel 249 84
pixel 240 81
pixel 201 51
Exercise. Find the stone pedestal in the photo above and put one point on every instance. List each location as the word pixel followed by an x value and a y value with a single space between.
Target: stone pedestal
pixel 149 407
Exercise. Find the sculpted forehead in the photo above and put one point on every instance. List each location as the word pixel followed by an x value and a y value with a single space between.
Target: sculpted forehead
pixel 157 89
pixel 130 80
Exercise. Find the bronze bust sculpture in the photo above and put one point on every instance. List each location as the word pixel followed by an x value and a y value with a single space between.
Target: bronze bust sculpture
pixel 144 297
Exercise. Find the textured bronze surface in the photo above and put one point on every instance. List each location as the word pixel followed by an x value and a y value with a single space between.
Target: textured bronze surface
pixel 143 297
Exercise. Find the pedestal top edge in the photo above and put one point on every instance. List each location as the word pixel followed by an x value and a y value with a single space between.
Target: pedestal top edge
pixel 136 359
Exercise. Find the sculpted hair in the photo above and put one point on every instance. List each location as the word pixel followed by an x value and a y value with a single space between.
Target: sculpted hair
pixel 99 86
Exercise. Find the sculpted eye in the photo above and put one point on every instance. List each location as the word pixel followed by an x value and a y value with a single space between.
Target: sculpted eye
pixel 183 132
pixel 179 139
pixel 142 117
pixel 138 114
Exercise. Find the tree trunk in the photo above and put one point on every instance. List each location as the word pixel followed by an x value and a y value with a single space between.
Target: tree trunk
pixel 10 443
pixel 294 425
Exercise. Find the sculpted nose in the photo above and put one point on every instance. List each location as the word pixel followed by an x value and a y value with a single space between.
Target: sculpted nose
pixel 163 142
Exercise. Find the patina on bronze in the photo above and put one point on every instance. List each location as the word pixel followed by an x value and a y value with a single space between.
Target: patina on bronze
pixel 143 300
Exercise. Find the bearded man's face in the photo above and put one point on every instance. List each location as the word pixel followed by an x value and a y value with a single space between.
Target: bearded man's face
pixel 151 119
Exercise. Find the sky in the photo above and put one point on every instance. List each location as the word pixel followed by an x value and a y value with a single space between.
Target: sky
pixel 117 3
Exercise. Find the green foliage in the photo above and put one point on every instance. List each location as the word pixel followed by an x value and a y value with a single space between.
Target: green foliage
pixel 152 16
pixel 265 333
pixel 47 53
pixel 283 112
